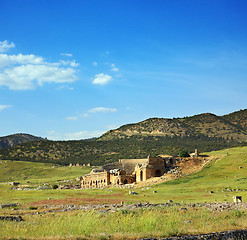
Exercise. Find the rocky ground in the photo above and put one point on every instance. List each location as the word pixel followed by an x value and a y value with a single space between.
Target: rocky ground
pixel 104 208
pixel 226 235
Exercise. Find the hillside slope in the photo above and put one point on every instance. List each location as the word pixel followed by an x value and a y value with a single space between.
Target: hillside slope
pixel 206 132
pixel 206 124
pixel 15 139
pixel 238 118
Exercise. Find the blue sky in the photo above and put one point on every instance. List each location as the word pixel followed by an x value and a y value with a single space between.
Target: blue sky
pixel 72 69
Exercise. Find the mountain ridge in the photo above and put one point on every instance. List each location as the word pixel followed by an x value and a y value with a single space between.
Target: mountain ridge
pixel 153 136
pixel 233 125
pixel 16 139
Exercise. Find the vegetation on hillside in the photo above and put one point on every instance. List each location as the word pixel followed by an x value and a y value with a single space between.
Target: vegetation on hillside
pixel 15 139
pixel 98 152
pixel 207 132
pixel 238 118
pixel 205 124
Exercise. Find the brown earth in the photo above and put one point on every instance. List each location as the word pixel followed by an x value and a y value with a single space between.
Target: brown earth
pixel 106 199
pixel 184 166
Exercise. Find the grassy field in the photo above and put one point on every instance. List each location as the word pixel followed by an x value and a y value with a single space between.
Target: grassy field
pixel 219 181
pixel 36 173
pixel 161 222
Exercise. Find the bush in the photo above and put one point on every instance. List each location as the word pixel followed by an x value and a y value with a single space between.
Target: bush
pixel 183 153
pixel 55 186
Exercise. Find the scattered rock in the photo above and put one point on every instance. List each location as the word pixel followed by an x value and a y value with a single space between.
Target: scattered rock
pixel 11 218
pixel 188 221
pixel 132 193
pixel 8 205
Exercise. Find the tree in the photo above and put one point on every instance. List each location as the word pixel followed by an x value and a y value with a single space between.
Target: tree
pixel 183 153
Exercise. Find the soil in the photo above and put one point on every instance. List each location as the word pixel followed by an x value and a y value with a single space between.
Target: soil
pixel 81 201
pixel 183 166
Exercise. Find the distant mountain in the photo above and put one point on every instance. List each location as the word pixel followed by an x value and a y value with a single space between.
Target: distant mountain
pixel 15 139
pixel 232 126
pixel 206 132
pixel 238 118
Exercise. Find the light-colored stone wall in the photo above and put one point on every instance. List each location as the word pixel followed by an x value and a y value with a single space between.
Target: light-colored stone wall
pixel 96 180
pixel 127 171
pixel 128 165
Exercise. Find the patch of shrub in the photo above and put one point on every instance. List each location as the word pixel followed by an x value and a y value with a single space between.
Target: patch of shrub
pixel 183 153
pixel 55 186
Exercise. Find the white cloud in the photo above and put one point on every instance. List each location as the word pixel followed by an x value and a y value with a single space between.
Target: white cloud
pixel 70 63
pixel 114 68
pixel 67 54
pixel 24 72
pixel 102 110
pixel 83 135
pixel 85 115
pixel 64 87
pixel 5 46
pixel 20 59
pixel 95 64
pixel 102 79
pixel 2 107
pixel 73 118
pixel 26 77
pixel 91 111
pixel 53 135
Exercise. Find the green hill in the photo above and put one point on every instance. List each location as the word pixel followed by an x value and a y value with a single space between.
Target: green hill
pixel 33 173
pixel 238 118
pixel 207 132
pixel 99 152
pixel 15 139
pixel 205 124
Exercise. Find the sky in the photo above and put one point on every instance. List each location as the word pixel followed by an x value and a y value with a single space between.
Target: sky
pixel 74 69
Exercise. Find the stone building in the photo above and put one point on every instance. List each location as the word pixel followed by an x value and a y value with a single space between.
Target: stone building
pixel 195 154
pixel 127 171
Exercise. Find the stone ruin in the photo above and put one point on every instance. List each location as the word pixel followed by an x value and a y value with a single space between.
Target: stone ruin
pixel 237 199
pixel 127 171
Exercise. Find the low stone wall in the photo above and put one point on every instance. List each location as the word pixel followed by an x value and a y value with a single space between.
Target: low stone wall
pixel 227 235
pixel 11 218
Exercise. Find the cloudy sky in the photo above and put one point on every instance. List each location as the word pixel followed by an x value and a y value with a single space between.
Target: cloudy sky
pixel 72 69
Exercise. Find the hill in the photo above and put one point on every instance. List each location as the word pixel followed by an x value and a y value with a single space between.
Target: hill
pixel 232 126
pixel 34 173
pixel 206 132
pixel 99 152
pixel 15 139
pixel 238 118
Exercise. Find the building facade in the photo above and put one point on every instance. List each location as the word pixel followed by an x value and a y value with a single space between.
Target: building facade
pixel 127 171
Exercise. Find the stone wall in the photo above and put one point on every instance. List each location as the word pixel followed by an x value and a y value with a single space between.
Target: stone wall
pixel 128 165
pixel 226 235
pixel 96 180
pixel 127 171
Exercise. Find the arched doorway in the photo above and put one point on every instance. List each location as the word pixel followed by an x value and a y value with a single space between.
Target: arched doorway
pixel 157 173
pixel 141 176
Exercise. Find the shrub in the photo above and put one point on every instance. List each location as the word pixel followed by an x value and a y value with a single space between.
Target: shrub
pixel 183 153
pixel 55 186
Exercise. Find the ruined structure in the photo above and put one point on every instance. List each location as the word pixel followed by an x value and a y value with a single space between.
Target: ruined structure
pixel 127 171
pixel 195 154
